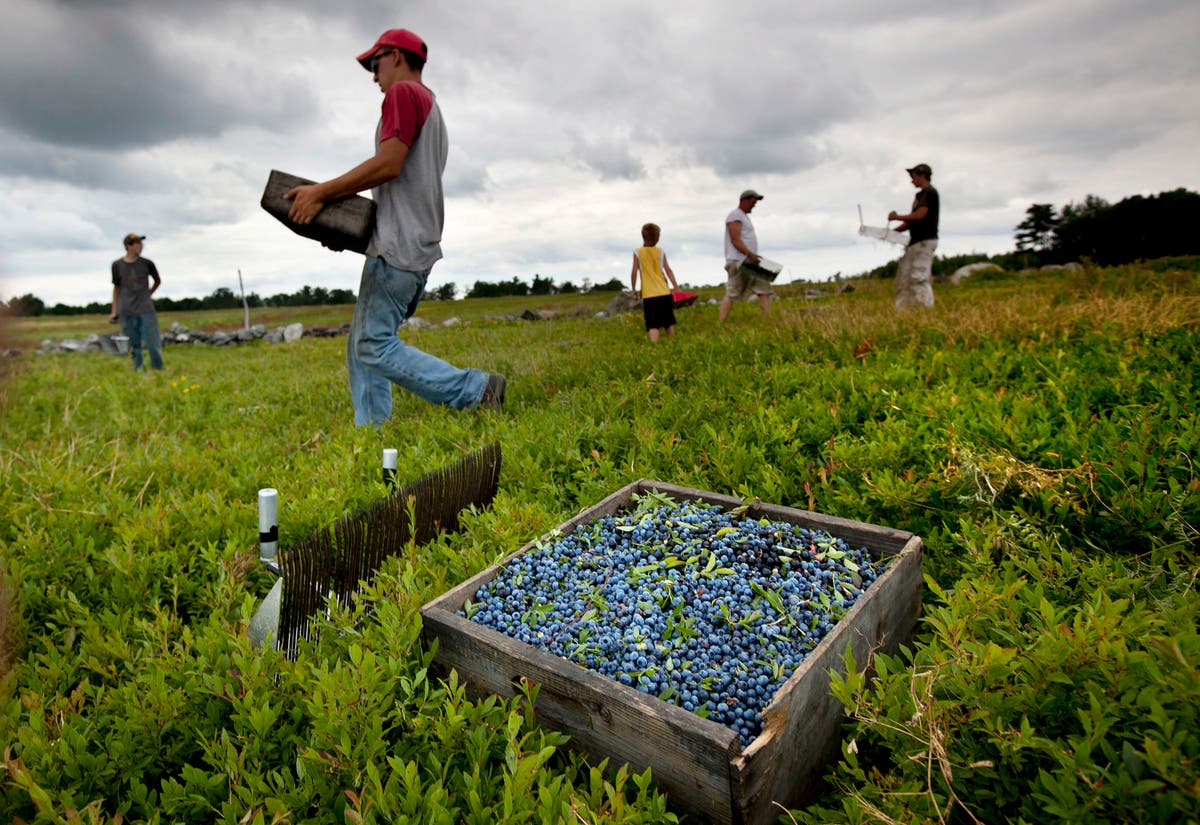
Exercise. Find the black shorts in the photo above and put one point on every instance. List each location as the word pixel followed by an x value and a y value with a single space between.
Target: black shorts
pixel 659 311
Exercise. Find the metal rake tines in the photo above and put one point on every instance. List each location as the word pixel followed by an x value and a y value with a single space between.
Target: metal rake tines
pixel 335 562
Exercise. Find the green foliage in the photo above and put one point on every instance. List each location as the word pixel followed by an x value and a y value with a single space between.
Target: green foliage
pixel 1038 431
pixel 1036 232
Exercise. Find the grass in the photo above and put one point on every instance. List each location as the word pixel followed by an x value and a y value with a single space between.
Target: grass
pixel 1037 431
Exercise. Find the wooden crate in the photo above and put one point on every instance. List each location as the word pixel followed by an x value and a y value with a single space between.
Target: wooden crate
pixel 345 223
pixel 699 763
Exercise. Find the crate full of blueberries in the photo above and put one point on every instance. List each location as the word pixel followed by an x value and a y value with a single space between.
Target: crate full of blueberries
pixel 691 633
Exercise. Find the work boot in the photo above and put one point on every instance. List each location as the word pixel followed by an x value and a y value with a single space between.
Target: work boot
pixel 493 393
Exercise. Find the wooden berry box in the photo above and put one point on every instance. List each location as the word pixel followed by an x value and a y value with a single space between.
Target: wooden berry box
pixel 699 763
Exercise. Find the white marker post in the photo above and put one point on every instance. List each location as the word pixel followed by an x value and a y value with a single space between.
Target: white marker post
pixel 268 524
pixel 389 466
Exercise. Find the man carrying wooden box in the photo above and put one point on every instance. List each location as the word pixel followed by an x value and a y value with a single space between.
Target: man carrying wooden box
pixel 405 179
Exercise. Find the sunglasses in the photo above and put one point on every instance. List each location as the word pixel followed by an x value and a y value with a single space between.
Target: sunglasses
pixel 373 63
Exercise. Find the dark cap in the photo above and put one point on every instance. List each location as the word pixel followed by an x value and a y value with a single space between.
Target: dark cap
pixel 921 169
pixel 133 238
pixel 750 193
pixel 397 39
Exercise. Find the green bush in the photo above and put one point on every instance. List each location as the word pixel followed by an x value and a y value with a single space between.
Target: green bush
pixel 1037 431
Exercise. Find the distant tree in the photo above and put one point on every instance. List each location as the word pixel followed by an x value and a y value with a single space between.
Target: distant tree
pixel 1079 227
pixel 567 288
pixel 222 298
pixel 341 296
pixel 541 286
pixel 611 285
pixel 25 306
pixel 1036 232
pixel 445 292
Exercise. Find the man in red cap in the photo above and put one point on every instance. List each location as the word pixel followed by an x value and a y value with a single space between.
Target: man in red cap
pixel 405 179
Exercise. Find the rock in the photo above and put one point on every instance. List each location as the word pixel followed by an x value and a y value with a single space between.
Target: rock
pixel 275 336
pixel 293 332
pixel 970 269
pixel 1073 266
pixel 452 322
pixel 245 335
pixel 623 302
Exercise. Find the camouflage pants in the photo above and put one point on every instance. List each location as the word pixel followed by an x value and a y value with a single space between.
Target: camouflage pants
pixel 914 279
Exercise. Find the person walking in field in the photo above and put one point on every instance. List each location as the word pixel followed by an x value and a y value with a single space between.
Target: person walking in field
pixel 658 304
pixel 914 278
pixel 405 179
pixel 131 304
pixel 741 247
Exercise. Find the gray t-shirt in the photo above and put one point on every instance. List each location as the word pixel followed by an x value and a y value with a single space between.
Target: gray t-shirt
pixel 132 281
pixel 410 210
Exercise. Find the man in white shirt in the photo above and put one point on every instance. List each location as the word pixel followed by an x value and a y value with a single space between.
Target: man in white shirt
pixel 741 247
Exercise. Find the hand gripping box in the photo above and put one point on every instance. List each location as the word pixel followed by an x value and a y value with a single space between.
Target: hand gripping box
pixel 346 223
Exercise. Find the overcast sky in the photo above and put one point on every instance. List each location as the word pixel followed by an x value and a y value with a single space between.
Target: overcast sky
pixel 573 123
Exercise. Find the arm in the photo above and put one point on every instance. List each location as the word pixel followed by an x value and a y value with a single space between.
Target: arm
pixel 735 235
pixel 917 214
pixel 386 164
pixel 154 276
pixel 112 316
pixel 634 272
pixel 670 274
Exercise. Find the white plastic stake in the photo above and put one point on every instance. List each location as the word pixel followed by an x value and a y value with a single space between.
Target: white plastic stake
pixel 268 523
pixel 389 466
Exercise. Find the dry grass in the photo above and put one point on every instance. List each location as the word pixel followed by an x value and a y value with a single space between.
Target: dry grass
pixel 8 624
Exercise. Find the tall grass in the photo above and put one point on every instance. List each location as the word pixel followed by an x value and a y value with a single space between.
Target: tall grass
pixel 1038 432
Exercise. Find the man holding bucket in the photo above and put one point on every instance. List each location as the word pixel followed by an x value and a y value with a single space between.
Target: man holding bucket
pixel 131 276
pixel 741 247
pixel 915 274
pixel 405 179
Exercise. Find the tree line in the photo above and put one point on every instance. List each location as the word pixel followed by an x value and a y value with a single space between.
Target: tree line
pixel 30 305
pixel 1135 228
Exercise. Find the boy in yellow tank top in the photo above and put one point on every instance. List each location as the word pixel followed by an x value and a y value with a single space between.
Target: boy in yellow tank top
pixel 658 304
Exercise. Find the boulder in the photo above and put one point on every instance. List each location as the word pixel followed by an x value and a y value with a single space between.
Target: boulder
pixel 970 269
pixel 293 332
pixel 623 302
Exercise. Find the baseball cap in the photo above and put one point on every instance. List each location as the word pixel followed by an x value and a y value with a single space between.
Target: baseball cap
pixel 397 39
pixel 921 169
pixel 133 238
pixel 750 193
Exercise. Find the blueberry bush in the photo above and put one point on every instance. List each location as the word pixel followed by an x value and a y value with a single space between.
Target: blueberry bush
pixel 1038 431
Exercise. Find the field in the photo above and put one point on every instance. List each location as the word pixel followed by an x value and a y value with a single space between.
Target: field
pixel 1038 431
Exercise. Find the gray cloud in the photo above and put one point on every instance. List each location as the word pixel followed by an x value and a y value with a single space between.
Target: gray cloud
pixel 572 122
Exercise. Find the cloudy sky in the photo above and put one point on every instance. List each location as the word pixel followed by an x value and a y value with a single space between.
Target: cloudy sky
pixel 571 124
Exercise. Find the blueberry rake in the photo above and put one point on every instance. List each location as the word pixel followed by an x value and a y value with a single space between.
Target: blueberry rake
pixel 336 562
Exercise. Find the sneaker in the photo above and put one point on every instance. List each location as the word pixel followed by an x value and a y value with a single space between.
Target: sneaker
pixel 493 393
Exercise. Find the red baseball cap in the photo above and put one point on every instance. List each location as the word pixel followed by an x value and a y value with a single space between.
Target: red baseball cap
pixel 397 39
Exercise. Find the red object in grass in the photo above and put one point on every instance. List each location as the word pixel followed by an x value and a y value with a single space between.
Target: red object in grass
pixel 683 299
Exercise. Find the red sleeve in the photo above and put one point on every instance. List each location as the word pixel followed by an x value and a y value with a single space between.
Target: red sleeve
pixel 406 105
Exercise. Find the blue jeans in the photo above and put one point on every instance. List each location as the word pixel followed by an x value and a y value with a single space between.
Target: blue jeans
pixel 376 358
pixel 142 330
